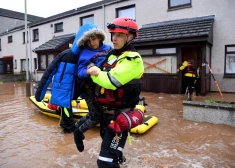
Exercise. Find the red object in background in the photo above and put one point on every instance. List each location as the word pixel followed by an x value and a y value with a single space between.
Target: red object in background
pixel 52 107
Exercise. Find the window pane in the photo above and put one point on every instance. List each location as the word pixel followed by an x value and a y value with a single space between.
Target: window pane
pixel 9 39
pixel 23 37
pixel 231 49
pixel 129 12
pixel 50 58
pixel 15 64
pixel 145 52
pixel 178 2
pixel 23 65
pixel 230 63
pixel 58 27
pixel 88 20
pixel 1 67
pixel 166 51
pixel 43 61
pixel 35 34
pixel 162 64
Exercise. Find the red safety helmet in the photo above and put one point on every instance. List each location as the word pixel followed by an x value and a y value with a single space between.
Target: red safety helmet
pixel 124 25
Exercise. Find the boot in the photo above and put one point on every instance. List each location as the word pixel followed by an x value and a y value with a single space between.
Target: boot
pixel 78 139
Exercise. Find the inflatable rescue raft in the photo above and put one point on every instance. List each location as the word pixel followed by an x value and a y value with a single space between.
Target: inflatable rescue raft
pixel 80 109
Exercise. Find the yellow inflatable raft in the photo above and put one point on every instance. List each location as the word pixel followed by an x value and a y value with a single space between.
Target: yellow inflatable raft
pixel 80 109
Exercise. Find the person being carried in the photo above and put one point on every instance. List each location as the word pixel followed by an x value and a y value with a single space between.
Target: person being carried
pixel 63 70
pixel 88 58
pixel 117 89
pixel 189 74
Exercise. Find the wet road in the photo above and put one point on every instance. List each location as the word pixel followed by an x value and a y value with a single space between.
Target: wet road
pixel 31 139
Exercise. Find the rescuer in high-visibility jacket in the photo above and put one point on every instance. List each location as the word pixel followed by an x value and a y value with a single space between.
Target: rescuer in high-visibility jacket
pixel 189 74
pixel 117 89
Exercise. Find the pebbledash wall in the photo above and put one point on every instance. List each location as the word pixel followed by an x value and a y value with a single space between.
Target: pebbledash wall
pixel 146 12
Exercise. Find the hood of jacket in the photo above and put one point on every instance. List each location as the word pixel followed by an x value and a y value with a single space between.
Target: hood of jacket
pixel 84 33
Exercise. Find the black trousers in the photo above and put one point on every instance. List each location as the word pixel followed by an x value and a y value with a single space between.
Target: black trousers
pixel 67 121
pixel 95 110
pixel 188 81
pixel 111 151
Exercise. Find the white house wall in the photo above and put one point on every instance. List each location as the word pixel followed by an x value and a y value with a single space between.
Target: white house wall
pixel 147 11
pixel 9 23
pixel 152 11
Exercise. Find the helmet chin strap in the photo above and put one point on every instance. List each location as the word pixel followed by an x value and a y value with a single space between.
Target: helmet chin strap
pixel 125 45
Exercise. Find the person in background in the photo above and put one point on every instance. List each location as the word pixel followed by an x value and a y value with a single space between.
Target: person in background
pixel 117 89
pixel 189 74
pixel 68 81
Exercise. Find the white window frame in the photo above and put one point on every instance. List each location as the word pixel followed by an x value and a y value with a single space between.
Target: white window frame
pixel 128 11
pixel 229 67
pixel 87 19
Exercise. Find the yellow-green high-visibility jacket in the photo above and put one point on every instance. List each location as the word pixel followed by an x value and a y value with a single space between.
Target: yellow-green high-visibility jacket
pixel 129 66
pixel 187 72
pixel 119 82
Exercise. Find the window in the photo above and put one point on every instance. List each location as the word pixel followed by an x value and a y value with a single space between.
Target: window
pixel 164 61
pixel 58 27
pixel 0 45
pixel 166 51
pixel 23 65
pixel 10 39
pixel 87 19
pixel 229 61
pixel 15 64
pixel 145 52
pixel 35 35
pixel 128 11
pixel 45 60
pixel 35 63
pixel 24 37
pixel 178 3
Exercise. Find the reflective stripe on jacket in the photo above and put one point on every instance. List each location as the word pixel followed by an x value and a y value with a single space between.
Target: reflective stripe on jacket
pixel 119 84
pixel 129 66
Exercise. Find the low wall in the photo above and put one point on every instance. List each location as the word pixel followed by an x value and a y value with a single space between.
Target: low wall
pixel 12 77
pixel 215 113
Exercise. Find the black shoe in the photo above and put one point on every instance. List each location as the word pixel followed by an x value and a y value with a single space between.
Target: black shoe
pixel 67 131
pixel 122 159
pixel 78 139
pixel 69 128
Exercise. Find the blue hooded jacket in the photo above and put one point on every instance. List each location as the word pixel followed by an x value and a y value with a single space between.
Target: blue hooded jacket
pixel 64 70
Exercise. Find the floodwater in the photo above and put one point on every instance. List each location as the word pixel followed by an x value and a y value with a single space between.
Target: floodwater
pixel 30 139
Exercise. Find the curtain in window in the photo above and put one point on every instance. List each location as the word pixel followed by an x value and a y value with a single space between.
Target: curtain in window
pixel 23 65
pixel 50 58
pixel 43 61
pixel 230 63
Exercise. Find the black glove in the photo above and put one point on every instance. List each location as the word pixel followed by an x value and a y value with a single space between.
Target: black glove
pixel 78 139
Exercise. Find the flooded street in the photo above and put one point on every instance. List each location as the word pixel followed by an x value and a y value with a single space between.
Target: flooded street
pixel 31 139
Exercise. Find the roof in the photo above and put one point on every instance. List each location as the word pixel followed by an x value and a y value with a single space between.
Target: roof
pixel 18 15
pixel 55 43
pixel 175 29
pixel 69 13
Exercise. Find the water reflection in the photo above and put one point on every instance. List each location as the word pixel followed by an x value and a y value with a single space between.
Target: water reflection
pixel 31 139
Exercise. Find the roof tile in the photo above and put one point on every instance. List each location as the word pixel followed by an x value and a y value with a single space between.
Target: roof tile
pixel 190 27
pixel 55 43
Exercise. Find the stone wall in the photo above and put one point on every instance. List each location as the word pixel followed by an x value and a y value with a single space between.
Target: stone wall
pixel 215 113
pixel 12 77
